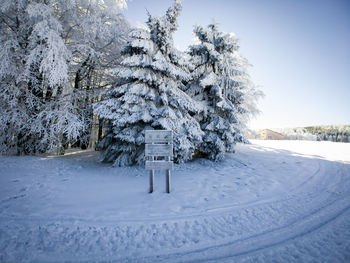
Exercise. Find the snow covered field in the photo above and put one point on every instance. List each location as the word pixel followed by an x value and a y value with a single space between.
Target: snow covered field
pixel 281 201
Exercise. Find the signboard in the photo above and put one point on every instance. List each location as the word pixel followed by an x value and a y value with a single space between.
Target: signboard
pixel 159 150
pixel 159 165
pixel 159 143
pixel 158 136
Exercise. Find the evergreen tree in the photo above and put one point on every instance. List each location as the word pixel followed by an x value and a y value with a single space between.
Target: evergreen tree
pixel 149 94
pixel 222 85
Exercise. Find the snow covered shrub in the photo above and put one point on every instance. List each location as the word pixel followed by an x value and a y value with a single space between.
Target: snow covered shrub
pixel 222 85
pixel 148 94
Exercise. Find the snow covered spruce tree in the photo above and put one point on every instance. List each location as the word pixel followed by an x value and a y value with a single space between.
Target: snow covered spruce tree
pixel 36 115
pixel 148 94
pixel 221 83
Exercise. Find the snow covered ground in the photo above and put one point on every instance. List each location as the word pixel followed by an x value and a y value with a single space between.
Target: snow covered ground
pixel 271 201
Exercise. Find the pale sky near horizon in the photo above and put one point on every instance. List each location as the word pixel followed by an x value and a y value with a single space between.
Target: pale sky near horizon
pixel 300 52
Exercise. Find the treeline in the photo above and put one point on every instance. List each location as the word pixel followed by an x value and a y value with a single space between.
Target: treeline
pixel 74 73
pixel 334 133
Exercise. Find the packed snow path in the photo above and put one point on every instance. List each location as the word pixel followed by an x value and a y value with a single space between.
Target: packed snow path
pixel 283 201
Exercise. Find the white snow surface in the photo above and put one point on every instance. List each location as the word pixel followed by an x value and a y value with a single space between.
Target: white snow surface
pixel 271 201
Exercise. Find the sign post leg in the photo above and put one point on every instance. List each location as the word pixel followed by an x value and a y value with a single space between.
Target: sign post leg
pixel 151 178
pixel 167 175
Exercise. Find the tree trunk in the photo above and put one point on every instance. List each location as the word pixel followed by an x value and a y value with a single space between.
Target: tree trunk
pixel 94 132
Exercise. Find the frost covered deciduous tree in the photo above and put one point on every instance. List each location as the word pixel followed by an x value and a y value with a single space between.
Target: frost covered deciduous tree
pixel 52 52
pixel 221 83
pixel 33 79
pixel 95 32
pixel 14 36
pixel 148 94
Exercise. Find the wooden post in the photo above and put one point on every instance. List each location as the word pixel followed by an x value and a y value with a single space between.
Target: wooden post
pixel 151 177
pixel 167 181
pixel 167 178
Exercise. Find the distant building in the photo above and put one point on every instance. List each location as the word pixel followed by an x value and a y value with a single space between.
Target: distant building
pixel 270 135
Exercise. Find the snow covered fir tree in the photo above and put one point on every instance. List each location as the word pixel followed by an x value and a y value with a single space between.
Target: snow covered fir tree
pixel 149 94
pixel 221 83
pixel 205 100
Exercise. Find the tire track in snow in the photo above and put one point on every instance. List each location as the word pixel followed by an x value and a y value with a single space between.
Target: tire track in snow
pixel 236 231
pixel 255 243
pixel 322 216
pixel 309 223
pixel 156 236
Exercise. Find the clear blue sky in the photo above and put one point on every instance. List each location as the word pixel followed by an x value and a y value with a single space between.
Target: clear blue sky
pixel 299 49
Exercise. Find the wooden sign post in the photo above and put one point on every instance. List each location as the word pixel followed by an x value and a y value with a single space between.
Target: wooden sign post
pixel 159 151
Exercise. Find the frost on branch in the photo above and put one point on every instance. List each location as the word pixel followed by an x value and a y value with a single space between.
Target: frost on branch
pixel 47 46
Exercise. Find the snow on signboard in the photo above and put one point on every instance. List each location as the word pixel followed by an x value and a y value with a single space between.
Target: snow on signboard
pixel 159 165
pixel 158 136
pixel 159 150
pixel 159 143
